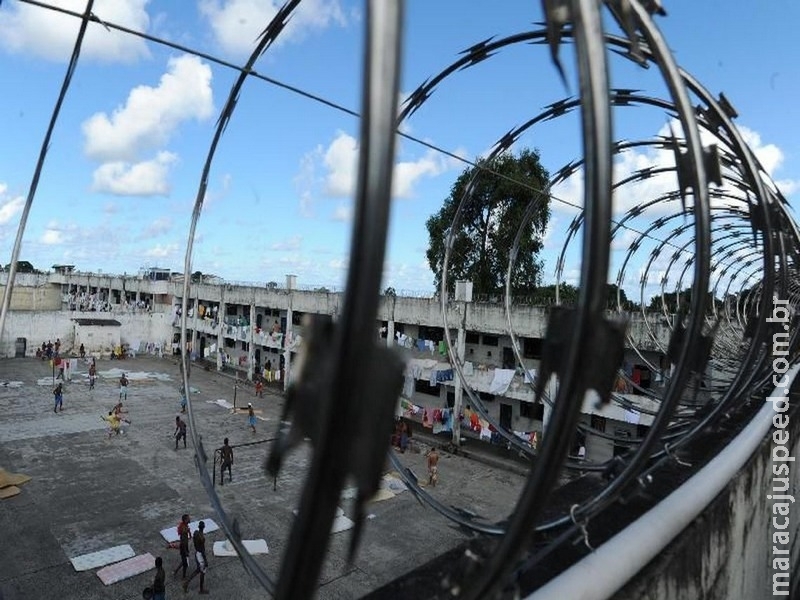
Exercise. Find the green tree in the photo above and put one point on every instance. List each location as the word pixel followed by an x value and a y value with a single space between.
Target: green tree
pixel 23 266
pixel 672 301
pixel 489 223
pixel 546 295
pixel 625 302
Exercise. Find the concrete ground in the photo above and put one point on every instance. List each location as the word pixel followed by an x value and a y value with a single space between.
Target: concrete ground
pixel 89 492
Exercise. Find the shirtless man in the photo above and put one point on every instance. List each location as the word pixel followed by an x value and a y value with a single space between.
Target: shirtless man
pixel 201 562
pixel 123 387
pixel 92 375
pixel 180 431
pixel 433 466
pixel 227 461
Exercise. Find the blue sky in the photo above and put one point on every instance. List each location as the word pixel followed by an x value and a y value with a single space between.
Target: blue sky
pixel 124 165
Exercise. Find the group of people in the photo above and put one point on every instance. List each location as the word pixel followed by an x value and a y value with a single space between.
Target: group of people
pixel 49 350
pixel 117 420
pixel 401 440
pixel 198 539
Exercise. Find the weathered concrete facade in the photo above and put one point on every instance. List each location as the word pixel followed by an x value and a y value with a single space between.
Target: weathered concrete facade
pixel 247 328
pixel 32 292
pixel 728 552
pixel 40 326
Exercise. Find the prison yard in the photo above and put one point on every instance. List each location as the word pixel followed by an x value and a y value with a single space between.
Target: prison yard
pixel 89 493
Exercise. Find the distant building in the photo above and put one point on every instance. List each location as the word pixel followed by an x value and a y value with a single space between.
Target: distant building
pixel 257 329
pixel 63 269
pixel 156 274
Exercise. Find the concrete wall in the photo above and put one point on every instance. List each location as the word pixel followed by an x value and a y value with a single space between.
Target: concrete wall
pixel 41 326
pixel 726 554
pixel 33 292
pixel 97 339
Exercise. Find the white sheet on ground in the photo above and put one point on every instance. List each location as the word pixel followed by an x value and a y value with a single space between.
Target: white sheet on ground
pixel 252 546
pixel 127 568
pixel 92 560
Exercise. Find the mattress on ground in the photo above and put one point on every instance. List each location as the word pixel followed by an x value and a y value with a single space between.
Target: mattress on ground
pixel 382 494
pixel 127 568
pixel 9 491
pixel 85 562
pixel 9 479
pixel 341 523
pixel 252 546
pixel 171 533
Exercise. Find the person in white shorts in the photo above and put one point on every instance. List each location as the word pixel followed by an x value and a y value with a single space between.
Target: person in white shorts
pixel 200 559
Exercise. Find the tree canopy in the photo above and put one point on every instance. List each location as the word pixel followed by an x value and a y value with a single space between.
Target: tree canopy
pixel 673 302
pixel 502 192
pixel 23 266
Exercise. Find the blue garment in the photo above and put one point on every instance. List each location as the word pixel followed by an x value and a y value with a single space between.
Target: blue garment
pixel 444 375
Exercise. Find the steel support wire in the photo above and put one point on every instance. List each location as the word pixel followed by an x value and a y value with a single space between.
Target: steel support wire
pixel 229 525
pixel 338 455
pixel 37 172
pixel 588 316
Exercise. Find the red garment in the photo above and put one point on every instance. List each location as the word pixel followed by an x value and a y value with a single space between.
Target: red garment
pixel 475 422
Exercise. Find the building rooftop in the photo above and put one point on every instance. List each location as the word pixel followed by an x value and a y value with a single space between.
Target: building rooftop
pixel 98 322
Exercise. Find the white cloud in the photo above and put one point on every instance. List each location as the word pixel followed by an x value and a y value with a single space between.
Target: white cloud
pixel 159 251
pixel 648 188
pixel 305 181
pixel 52 237
pixel 51 35
pixel 407 173
pixel 238 23
pixel 338 264
pixel 159 226
pixel 548 241
pixel 769 155
pixel 623 239
pixel 788 186
pixel 291 243
pixel 343 213
pixel 341 160
pixel 152 114
pixel 9 207
pixel 146 178
pixel 771 158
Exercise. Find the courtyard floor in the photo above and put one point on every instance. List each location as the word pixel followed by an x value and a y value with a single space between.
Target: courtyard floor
pixel 90 493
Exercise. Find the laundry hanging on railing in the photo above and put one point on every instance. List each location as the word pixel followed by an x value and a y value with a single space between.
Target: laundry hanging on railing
pixel 502 379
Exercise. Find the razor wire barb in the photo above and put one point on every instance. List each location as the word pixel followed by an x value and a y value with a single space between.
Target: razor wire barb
pixel 737 236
